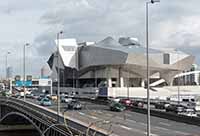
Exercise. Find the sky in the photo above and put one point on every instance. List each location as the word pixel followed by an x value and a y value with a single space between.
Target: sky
pixel 172 23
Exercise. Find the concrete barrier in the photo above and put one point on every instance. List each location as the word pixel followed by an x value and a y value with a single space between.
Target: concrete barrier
pixel 170 116
pixel 161 114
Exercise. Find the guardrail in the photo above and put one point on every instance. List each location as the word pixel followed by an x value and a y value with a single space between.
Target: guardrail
pixel 170 116
pixel 41 112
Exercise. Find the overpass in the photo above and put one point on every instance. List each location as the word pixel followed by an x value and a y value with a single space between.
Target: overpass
pixel 47 122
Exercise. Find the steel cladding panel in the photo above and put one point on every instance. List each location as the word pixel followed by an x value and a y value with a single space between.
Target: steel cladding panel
pixel 91 55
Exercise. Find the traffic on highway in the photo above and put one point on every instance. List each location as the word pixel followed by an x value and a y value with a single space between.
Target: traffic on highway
pixel 117 115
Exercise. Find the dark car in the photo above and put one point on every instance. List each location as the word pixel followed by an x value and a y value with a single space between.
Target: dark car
pixel 126 102
pixel 161 105
pixel 175 108
pixel 74 104
pixel 115 106
pixel 41 96
pixel 137 104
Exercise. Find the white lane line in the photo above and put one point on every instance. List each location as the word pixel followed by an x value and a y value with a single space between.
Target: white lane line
pixel 162 128
pixel 133 121
pixel 125 127
pixel 136 130
pixel 152 134
pixel 93 117
pixel 182 133
pixel 166 124
pixel 81 113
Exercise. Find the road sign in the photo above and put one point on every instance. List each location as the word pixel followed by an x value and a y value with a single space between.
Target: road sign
pixel 20 83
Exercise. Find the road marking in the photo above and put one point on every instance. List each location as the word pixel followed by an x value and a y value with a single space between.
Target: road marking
pixel 81 113
pixel 152 134
pixel 182 133
pixel 166 124
pixel 125 127
pixel 162 128
pixel 136 130
pixel 93 117
pixel 131 120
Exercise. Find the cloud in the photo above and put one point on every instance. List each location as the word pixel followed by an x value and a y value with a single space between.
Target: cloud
pixel 171 23
pixel 94 18
pixel 177 33
pixel 44 45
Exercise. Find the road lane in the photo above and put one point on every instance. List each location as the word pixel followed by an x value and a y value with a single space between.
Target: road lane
pixel 128 122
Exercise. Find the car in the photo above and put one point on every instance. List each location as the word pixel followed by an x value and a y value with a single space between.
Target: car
pixel 161 105
pixel 175 108
pixel 35 96
pixel 45 102
pixel 75 105
pixel 41 96
pixel 188 112
pixel 54 97
pixel 126 102
pixel 29 95
pixel 65 99
pixel 137 104
pixel 16 95
pixel 115 106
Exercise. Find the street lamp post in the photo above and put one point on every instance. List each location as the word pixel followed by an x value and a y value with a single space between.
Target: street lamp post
pixel 24 69
pixel 147 59
pixel 178 78
pixel 58 75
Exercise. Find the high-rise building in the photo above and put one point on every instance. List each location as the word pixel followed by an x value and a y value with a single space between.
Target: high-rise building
pixel 45 71
pixel 9 72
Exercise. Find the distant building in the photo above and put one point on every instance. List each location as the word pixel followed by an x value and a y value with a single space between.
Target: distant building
pixel 37 85
pixel 115 64
pixel 45 72
pixel 188 77
pixel 9 72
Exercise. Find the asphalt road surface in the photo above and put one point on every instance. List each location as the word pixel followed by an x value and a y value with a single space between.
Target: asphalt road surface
pixel 126 123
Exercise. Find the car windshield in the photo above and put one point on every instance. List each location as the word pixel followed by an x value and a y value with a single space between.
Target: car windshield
pixel 118 105
pixel 46 100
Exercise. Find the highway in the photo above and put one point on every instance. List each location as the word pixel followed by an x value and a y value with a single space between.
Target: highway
pixel 126 123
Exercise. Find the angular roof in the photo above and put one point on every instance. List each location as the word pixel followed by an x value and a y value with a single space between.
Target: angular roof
pixel 111 43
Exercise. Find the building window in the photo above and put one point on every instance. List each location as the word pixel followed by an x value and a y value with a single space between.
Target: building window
pixel 166 58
